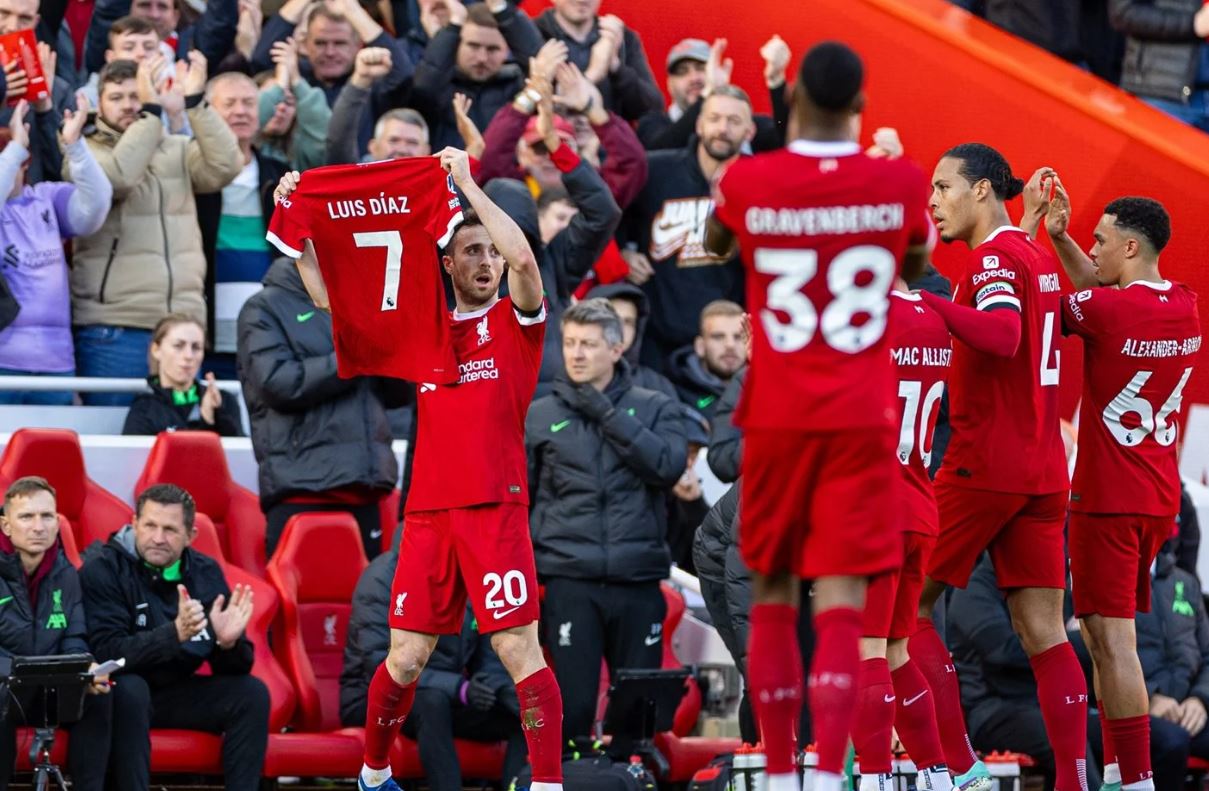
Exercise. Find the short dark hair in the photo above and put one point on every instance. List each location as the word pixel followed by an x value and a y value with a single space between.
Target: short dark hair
pixel 979 161
pixel 832 75
pixel 469 220
pixel 1143 216
pixel 596 312
pixel 130 24
pixel 731 91
pixel 552 195
pixel 479 14
pixel 116 71
pixel 167 494
pixel 27 486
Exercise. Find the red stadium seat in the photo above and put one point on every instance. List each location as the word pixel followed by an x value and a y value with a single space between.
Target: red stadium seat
pixel 690 705
pixel 206 540
pixel 479 760
pixel 194 752
pixel 195 461
pixel 55 454
pixel 68 539
pixel 687 755
pixel 388 514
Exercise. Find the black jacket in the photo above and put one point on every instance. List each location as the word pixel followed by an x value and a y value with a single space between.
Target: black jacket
pixel 597 487
pixel 631 91
pixel 1161 47
pixel 697 386
pixel 455 658
pixel 311 430
pixel 55 623
pixel 132 610
pixel 437 77
pixel 642 376
pixel 569 256
pixel 658 131
pixel 157 411
pixel 725 438
pixel 677 196
pixel 716 556
pixel 213 34
pixel 1173 638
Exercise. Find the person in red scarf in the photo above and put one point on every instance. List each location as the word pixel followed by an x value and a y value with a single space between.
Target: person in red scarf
pixel 42 613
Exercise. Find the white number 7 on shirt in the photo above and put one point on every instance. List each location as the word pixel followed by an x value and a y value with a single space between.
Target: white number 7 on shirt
pixel 393 242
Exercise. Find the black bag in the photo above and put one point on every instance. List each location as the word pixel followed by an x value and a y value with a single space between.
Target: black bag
pixel 715 776
pixel 599 773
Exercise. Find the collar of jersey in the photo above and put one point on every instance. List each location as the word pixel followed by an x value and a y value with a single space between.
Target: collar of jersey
pixel 825 148
pixel 907 295
pixel 1000 230
pixel 474 314
pixel 1164 286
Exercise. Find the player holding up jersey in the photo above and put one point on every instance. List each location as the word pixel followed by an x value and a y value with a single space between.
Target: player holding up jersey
pixel 823 230
pixel 893 693
pixel 1140 340
pixel 466 530
pixel 1003 484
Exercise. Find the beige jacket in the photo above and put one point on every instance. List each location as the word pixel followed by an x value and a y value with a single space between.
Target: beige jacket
pixel 146 260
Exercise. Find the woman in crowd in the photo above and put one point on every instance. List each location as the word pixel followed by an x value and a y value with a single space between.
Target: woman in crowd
pixel 34 221
pixel 178 399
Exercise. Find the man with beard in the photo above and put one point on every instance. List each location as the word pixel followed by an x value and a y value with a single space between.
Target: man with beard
pixel 702 371
pixel 664 228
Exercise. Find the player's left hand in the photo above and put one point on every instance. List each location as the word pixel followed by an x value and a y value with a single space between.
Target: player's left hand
pixel 1037 192
pixel 481 694
pixel 211 401
pixel 456 163
pixel 285 188
pixel 230 621
pixel 1193 716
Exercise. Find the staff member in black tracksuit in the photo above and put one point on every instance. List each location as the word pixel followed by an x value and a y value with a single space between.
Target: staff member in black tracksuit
pixel 167 610
pixel 42 613
pixel 463 692
pixel 602 455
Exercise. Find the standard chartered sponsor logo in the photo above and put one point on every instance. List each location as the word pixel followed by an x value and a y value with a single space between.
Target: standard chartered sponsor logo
pixel 474 370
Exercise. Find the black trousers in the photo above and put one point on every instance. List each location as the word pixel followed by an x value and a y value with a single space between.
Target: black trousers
pixel 236 707
pixel 435 720
pixel 87 746
pixel 368 520
pixel 586 622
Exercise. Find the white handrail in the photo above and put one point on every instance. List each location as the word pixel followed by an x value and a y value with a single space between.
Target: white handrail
pixel 90 384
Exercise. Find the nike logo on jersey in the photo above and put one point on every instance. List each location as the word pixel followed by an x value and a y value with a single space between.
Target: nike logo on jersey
pixel 301 317
pixel 559 426
pixel 652 639
pixel 504 613
pixel 888 698
pixel 5 600
pixel 911 700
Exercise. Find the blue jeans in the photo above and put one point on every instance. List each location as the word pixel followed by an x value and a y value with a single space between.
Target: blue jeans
pixel 102 350
pixel 1194 113
pixel 35 397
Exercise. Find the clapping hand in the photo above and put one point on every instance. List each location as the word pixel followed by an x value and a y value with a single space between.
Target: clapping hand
pixel 190 615
pixel 285 56
pixel 230 621
pixel 471 136
pixel 718 68
pixel 211 400
pixel 544 65
pixel 17 128
pixel 74 120
pixel 775 53
pixel 886 144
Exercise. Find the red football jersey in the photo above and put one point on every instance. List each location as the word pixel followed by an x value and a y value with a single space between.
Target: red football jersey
pixel 1139 346
pixel 375 229
pixel 823 230
pixel 922 350
pixel 1004 412
pixel 470 439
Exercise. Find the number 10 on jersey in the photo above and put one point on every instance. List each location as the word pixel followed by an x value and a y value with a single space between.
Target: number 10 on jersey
pixel 393 242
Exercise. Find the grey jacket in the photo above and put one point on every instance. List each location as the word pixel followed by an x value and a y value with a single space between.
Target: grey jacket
pixel 1161 47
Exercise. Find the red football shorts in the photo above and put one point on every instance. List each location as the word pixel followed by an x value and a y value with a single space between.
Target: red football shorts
pixel 820 504
pixel 484 552
pixel 1107 551
pixel 1022 531
pixel 892 599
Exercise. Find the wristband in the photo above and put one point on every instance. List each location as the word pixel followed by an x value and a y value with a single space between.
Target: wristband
pixel 564 158
pixel 151 108
pixel 462 692
pixel 194 100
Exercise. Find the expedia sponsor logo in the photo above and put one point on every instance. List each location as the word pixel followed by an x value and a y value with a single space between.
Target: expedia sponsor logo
pixel 475 370
pixel 996 274
pixel 1073 301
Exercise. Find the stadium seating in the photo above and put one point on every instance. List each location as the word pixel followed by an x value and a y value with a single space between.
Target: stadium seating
pixel 68 538
pixel 388 513
pixel 55 454
pixel 195 461
pixel 690 705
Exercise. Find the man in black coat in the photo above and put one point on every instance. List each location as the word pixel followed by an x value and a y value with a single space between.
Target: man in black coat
pixel 602 455
pixel 167 610
pixel 702 370
pixel 41 614
pixel 1166 57
pixel 464 691
pixel 323 443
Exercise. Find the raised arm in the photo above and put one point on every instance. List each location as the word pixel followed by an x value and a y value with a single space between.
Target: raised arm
pixel 524 278
pixel 1078 265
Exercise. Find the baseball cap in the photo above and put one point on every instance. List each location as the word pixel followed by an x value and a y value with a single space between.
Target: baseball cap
pixel 561 125
pixel 688 49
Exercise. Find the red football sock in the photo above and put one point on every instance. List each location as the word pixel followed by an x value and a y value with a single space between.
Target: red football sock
pixel 542 721
pixel 1131 737
pixel 1062 692
pixel 915 717
pixel 774 672
pixel 832 685
pixel 936 665
pixel 874 718
pixel 388 707
pixel 1110 750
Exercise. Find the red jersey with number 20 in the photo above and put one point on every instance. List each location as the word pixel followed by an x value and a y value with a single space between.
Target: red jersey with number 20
pixel 922 350
pixel 823 230
pixel 375 228
pixel 1139 346
pixel 470 435
pixel 1004 412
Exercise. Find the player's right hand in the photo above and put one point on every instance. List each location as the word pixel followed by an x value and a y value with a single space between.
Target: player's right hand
pixel 190 615
pixel 1057 219
pixel 456 163
pixel 287 185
